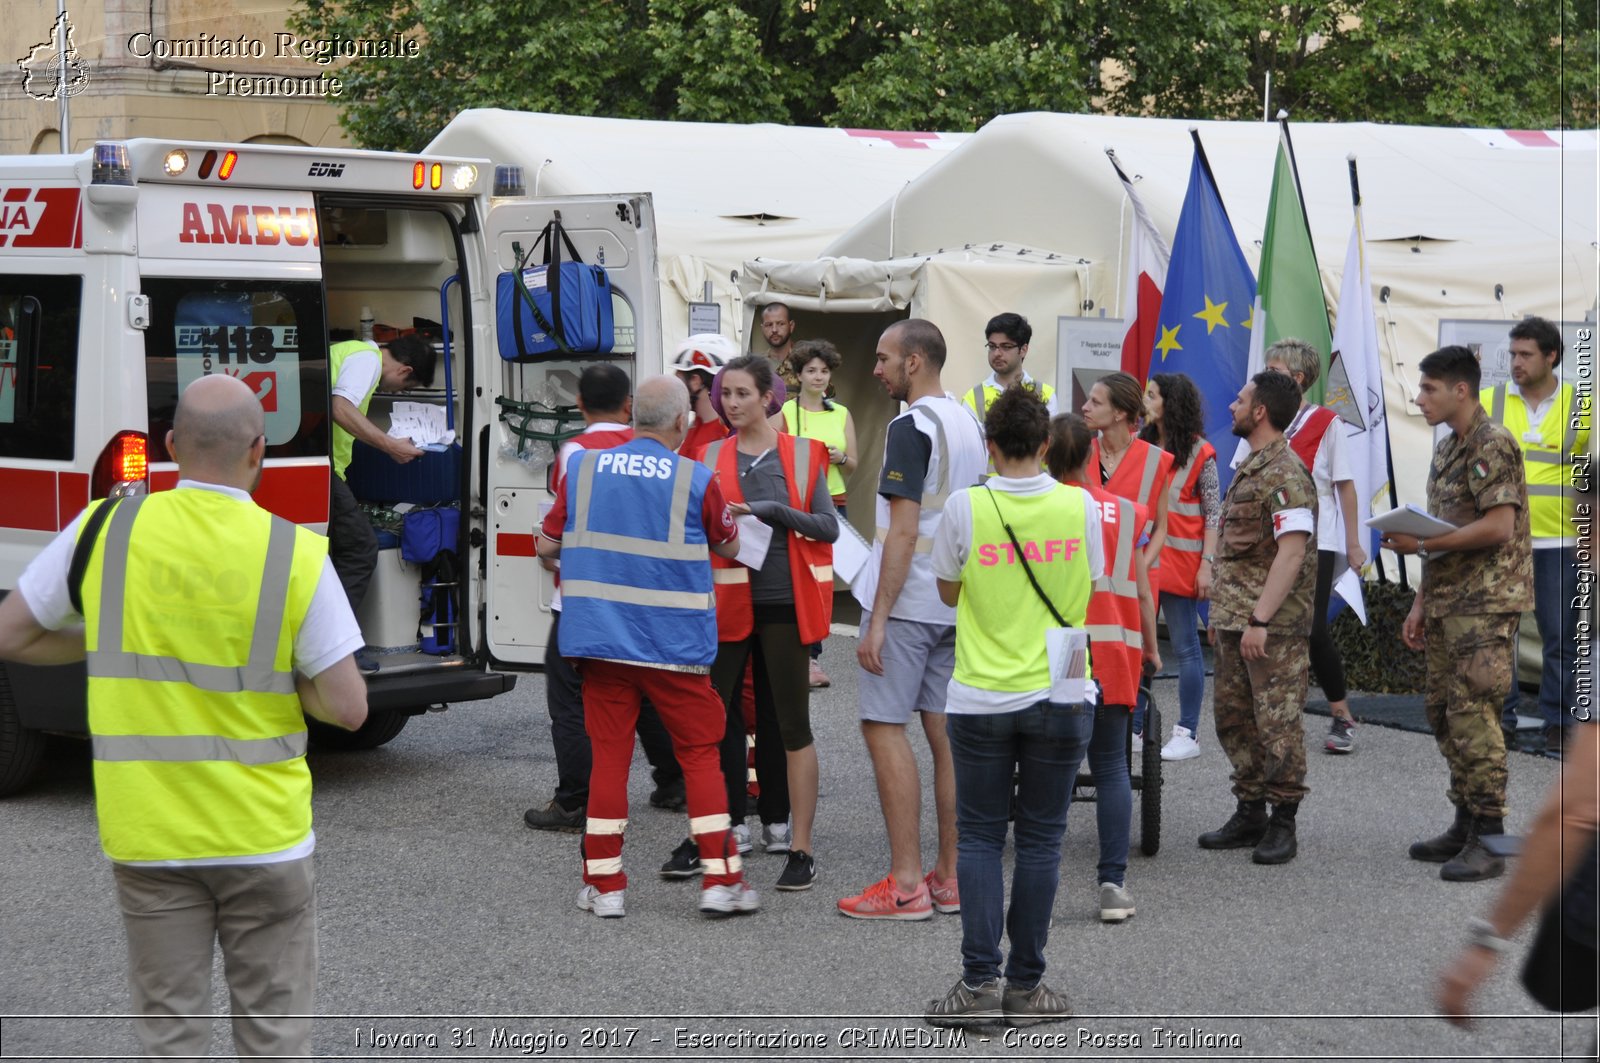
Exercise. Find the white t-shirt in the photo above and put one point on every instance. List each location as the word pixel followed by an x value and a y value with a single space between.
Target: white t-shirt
pixel 952 544
pixel 358 374
pixel 328 634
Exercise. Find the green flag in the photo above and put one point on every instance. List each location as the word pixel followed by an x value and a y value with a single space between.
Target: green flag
pixel 1291 289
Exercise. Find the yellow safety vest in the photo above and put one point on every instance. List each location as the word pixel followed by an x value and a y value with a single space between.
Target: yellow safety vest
pixel 826 425
pixel 1000 621
pixel 1547 462
pixel 344 442
pixel 978 400
pixel 192 600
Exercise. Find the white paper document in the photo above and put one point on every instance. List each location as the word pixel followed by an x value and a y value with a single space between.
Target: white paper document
pixel 1410 520
pixel 1348 587
pixel 1067 649
pixel 851 553
pixel 754 539
pixel 421 422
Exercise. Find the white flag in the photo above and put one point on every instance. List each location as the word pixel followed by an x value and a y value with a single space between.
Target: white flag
pixel 1355 353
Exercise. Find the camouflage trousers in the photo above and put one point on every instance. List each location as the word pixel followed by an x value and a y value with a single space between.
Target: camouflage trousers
pixel 1469 670
pixel 1258 705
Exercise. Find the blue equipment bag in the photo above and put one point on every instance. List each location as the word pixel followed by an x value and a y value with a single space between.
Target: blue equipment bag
pixel 428 538
pixel 553 309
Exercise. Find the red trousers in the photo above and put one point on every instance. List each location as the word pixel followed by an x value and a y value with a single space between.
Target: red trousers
pixel 694 717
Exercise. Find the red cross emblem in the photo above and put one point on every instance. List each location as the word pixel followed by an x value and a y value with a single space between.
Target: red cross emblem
pixel 1277 522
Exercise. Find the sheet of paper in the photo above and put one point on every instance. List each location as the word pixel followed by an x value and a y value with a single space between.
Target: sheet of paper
pixel 1067 649
pixel 1348 587
pixel 851 553
pixel 1410 520
pixel 754 539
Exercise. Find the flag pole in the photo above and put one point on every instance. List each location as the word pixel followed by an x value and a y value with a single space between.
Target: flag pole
pixel 1388 451
pixel 1205 164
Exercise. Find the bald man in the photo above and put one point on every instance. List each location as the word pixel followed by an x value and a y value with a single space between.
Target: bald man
pixel 208 625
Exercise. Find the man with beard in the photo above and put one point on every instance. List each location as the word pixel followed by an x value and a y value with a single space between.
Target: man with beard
pixel 1261 623
pixel 777 328
pixel 1006 345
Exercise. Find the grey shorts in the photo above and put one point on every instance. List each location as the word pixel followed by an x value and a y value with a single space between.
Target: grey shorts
pixel 917 661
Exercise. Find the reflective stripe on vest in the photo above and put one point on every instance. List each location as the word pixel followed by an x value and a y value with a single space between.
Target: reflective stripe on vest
pixel 1186 526
pixel 1114 615
pixel 190 659
pixel 1116 578
pixel 260 675
pixel 674 549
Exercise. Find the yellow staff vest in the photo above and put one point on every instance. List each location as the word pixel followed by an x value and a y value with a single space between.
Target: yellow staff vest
pixel 982 396
pixel 1547 461
pixel 826 425
pixel 344 442
pixel 192 600
pixel 1000 621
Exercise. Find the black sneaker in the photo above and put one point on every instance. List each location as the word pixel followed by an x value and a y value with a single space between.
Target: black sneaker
pixel 554 817
pixel 799 872
pixel 669 796
pixel 685 861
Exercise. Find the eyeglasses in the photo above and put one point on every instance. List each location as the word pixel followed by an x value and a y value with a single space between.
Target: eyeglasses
pixel 1007 347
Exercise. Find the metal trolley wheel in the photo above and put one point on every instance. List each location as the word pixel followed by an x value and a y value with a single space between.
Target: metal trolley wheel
pixel 1146 782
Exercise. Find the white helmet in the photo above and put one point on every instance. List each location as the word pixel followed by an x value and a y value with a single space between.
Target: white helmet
pixel 706 352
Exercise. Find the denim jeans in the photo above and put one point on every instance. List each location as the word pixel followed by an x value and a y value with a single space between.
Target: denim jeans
pixel 1041 747
pixel 1555 585
pixel 1182 616
pixel 1113 793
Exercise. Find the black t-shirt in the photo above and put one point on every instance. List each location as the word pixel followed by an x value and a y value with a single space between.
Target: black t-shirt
pixel 907 453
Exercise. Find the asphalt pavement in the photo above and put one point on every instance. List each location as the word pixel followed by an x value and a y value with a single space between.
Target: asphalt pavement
pixel 448 929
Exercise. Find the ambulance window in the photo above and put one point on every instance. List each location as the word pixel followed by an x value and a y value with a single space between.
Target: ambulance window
pixel 269 333
pixel 38 365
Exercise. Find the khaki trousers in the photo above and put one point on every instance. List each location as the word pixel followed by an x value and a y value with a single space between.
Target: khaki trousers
pixel 265 918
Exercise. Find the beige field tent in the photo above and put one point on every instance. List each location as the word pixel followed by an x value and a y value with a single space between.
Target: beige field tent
pixel 722 193
pixel 1028 215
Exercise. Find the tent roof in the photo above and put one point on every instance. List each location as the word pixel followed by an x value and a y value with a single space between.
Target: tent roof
pixel 721 192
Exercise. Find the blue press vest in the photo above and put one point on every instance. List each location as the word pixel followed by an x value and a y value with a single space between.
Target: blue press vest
pixel 635 567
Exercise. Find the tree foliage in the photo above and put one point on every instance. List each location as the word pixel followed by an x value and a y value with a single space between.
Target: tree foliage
pixel 954 64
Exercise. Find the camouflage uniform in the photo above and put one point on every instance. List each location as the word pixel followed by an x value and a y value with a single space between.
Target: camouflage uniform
pixel 785 372
pixel 1471 603
pixel 1258 704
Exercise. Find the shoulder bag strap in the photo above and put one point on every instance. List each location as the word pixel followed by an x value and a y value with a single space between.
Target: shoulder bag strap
pixel 85 547
pixel 1026 568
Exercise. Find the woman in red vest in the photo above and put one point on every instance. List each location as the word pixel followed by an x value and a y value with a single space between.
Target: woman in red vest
pixel 1128 467
pixel 771 610
pixel 1122 642
pixel 1175 422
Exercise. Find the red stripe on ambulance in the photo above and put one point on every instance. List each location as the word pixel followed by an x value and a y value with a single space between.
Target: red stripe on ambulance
pixel 513 544
pixel 37 500
pixel 294 492
pixel 41 217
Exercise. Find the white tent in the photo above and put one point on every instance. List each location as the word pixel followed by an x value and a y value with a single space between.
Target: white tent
pixel 722 193
pixel 1461 223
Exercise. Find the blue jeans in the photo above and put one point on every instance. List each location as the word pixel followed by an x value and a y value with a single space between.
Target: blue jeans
pixel 1041 748
pixel 1555 585
pixel 1113 793
pixel 1183 631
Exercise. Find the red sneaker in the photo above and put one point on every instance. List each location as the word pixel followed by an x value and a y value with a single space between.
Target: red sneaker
pixel 946 895
pixel 884 900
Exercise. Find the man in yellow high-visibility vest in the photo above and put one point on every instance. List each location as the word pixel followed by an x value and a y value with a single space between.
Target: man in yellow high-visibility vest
pixel 209 626
pixel 1543 415
pixel 1006 340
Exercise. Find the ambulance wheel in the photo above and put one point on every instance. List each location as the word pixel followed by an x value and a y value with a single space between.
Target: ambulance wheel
pixel 381 727
pixel 1150 784
pixel 21 748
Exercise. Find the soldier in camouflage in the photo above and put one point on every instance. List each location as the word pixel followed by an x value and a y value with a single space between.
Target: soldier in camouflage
pixel 1266 572
pixel 1476 581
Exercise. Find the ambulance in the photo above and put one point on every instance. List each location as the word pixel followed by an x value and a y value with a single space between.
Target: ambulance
pixel 134 268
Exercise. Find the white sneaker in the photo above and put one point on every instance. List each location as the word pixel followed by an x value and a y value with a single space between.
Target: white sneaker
pixel 605 905
pixel 1138 742
pixel 775 837
pixel 719 902
pixel 1116 903
pixel 741 838
pixel 1181 746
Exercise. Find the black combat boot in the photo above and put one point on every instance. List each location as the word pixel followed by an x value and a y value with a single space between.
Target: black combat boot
pixel 1474 863
pixel 1437 850
pixel 1279 845
pixel 1244 828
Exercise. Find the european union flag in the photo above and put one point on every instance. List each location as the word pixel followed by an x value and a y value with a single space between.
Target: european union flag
pixel 1204 328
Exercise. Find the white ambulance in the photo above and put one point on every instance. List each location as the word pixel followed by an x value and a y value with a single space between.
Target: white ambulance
pixel 128 271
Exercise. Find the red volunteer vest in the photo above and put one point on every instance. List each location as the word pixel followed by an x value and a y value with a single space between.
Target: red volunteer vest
pixel 1116 637
pixel 1186 526
pixel 1306 432
pixel 611 437
pixel 810 561
pixel 1144 470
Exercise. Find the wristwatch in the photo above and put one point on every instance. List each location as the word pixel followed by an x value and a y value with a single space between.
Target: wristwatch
pixel 1253 622
pixel 1480 933
pixel 1422 551
pixel 1209 559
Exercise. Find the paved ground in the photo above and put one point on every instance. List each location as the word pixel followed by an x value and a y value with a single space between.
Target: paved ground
pixel 436 902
